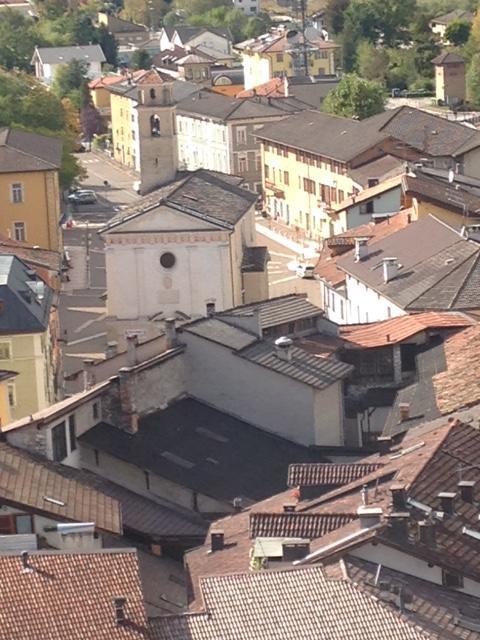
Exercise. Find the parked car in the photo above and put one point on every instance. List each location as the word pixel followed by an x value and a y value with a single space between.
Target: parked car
pixel 305 270
pixel 83 196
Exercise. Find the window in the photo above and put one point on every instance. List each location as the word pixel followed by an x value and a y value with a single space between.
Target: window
pixel 12 394
pixel 452 580
pixel 266 170
pixel 309 186
pixel 19 233
pixel 154 125
pixel 133 134
pixel 23 524
pixel 241 135
pixel 71 432
pixel 341 308
pixel 279 57
pixel 152 94
pixel 96 411
pixel 242 164
pixel 17 192
pixel 5 351
pixel 366 207
pixel 7 525
pixel 147 480
pixel 59 442
pixel 341 195
pixel 389 312
pixel 286 177
pixel 258 162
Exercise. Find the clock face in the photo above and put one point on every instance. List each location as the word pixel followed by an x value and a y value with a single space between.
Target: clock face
pixel 167 260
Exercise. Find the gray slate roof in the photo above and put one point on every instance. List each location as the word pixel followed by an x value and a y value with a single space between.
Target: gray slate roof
pixel 286 605
pixel 209 451
pixel 187 33
pixel 215 330
pixel 277 311
pixel 64 55
pixel 23 309
pixel 26 151
pixel 440 270
pixel 181 89
pixel 316 371
pixel 217 106
pixel 203 194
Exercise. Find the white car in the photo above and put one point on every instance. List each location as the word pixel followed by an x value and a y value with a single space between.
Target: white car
pixel 305 270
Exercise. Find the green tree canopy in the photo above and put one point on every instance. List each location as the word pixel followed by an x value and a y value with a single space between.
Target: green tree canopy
pixel 372 62
pixel 334 14
pixel 355 97
pixel 71 81
pixel 18 37
pixel 141 59
pixel 458 32
pixel 473 80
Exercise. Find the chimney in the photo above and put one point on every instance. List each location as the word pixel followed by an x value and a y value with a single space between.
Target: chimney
pixel 447 500
pixel 119 605
pixel 292 551
pixel 364 494
pixel 399 496
pixel 404 408
pixel 112 349
pixel 384 443
pixel 132 342
pixel 466 488
pixel 289 507
pixel 210 309
pixel 170 333
pixel 237 504
pixel 25 566
pixel 426 532
pixel 133 426
pixel 369 516
pixel 390 268
pixel 87 373
pixel 361 249
pixel 398 522
pixel 283 348
pixel 217 540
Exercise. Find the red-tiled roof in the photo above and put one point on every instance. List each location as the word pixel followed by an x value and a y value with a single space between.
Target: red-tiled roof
pixel 326 268
pixel 394 330
pixel 69 596
pixel 105 81
pixel 317 474
pixel 274 88
pixel 295 525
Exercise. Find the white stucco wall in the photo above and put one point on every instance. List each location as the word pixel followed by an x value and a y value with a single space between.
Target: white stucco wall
pixel 49 71
pixel 269 400
pixel 203 143
pixel 366 305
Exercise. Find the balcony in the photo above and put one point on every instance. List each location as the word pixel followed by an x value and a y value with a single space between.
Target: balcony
pixel 277 192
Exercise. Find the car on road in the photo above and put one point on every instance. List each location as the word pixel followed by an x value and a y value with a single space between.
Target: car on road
pixel 83 196
pixel 305 270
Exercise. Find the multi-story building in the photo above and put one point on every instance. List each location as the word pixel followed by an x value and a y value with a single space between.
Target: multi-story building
pixel 312 161
pixel 125 32
pixel 28 337
pixel 216 132
pixel 285 53
pixel 47 60
pixel 216 41
pixel 29 188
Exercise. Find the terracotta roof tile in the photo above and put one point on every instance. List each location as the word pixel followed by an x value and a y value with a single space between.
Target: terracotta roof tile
pixel 327 474
pixel 394 330
pixel 295 525
pixel 71 596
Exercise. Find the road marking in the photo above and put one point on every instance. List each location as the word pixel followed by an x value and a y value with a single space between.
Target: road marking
pixel 275 262
pixel 283 280
pixel 88 323
pixel 281 255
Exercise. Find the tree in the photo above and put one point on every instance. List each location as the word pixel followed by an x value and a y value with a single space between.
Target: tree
pixel 355 97
pixel 18 38
pixel 147 12
pixel 44 109
pixel 256 26
pixel 334 14
pixel 141 59
pixel 108 43
pixel 372 62
pixel 91 121
pixel 69 78
pixel 473 80
pixel 458 32
pixel 198 7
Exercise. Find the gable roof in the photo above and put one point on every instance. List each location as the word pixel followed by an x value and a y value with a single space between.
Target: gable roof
pixel 285 605
pixel 215 105
pixel 186 34
pixel 439 268
pixel 118 25
pixel 455 196
pixel 456 14
pixel 46 602
pixel 276 311
pixel 211 452
pixel 26 298
pixel 202 194
pixel 321 474
pixel 42 487
pixel 295 525
pixel 64 55
pixel 26 151
pixel 448 57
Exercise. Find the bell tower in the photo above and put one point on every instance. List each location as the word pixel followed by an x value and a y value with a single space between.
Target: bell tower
pixel 156 130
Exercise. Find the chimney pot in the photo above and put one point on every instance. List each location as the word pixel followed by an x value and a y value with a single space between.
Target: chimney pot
pixel 399 496
pixel 283 348
pixel 426 532
pixel 119 604
pixel 361 249
pixel 466 488
pixel 87 373
pixel 210 309
pixel 237 504
pixel 217 541
pixel 170 333
pixel 112 349
pixel 404 408
pixel 447 501
pixel 132 342
pixel 390 268
pixel 369 516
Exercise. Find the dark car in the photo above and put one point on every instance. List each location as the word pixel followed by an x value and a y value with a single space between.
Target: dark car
pixel 83 196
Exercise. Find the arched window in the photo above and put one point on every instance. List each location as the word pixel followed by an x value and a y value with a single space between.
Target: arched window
pixel 155 125
pixel 152 94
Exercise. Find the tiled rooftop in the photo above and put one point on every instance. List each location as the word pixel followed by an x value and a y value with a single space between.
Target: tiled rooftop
pixel 328 474
pixel 295 525
pixel 277 311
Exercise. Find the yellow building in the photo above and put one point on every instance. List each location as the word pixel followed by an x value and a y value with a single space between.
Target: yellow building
pixel 6 395
pixel 282 53
pixel 29 188
pixel 28 337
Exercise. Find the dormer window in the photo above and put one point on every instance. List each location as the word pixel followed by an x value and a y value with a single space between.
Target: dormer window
pixel 155 125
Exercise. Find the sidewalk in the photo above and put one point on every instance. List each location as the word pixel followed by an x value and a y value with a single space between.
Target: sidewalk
pixel 288 237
